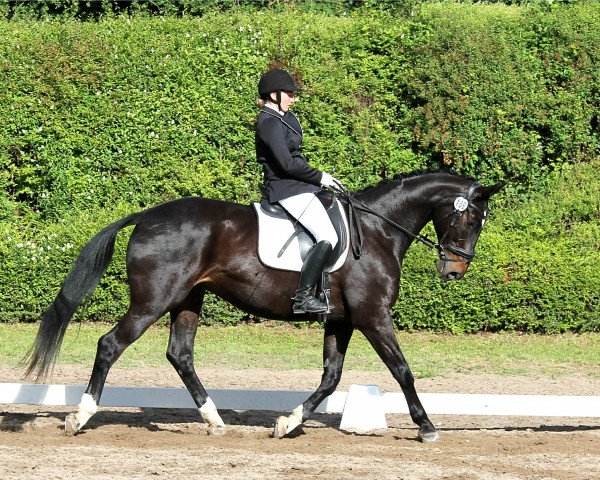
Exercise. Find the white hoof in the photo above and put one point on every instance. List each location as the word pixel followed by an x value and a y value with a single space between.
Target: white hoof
pixel 280 427
pixel 216 430
pixel 428 437
pixel 71 427
pixel 87 408
pixel 286 425
pixel 210 415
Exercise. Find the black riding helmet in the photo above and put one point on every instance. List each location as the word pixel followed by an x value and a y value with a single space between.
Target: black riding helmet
pixel 276 80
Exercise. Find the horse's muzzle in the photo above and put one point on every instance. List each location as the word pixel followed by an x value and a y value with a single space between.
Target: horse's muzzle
pixel 450 269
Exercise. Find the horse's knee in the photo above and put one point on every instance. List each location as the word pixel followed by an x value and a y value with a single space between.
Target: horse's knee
pixel 181 342
pixel 113 343
pixel 105 341
pixel 172 358
pixel 405 377
pixel 330 380
pixel 182 362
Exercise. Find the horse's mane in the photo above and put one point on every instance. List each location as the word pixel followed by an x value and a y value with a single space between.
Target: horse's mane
pixel 400 177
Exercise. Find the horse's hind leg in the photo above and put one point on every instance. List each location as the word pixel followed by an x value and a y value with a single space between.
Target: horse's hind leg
pixel 110 348
pixel 337 338
pixel 180 352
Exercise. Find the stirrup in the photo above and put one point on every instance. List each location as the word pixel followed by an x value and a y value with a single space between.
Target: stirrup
pixel 309 305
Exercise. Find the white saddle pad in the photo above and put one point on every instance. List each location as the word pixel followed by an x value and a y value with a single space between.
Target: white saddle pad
pixel 273 233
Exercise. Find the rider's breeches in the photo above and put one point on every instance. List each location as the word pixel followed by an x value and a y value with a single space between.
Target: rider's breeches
pixel 310 212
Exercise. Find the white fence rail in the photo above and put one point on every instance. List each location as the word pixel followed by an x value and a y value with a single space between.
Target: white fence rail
pixel 363 407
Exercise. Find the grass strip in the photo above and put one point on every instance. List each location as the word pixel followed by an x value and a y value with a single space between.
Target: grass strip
pixel 279 346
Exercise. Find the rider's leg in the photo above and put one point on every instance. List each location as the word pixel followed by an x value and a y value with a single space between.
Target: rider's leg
pixel 309 211
pixel 312 268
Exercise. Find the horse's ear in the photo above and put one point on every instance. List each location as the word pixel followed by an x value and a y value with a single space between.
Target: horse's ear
pixel 484 193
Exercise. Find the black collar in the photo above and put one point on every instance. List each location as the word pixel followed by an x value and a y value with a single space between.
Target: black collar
pixel 276 115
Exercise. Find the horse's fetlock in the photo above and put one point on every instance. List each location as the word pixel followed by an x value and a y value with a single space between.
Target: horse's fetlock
pixel 87 408
pixel 295 419
pixel 210 415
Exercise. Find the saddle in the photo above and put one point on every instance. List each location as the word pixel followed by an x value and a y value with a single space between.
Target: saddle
pixel 283 242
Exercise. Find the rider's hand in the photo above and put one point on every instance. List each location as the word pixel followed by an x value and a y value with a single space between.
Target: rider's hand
pixel 331 182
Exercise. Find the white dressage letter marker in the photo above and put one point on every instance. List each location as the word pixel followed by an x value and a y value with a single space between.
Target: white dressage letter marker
pixel 363 410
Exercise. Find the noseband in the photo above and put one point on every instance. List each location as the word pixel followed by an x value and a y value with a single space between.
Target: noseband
pixel 461 205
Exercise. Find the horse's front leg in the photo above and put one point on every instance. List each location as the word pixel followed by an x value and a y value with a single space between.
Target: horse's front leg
pixel 337 337
pixel 382 337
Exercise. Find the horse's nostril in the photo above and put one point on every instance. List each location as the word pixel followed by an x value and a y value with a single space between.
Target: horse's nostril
pixel 454 276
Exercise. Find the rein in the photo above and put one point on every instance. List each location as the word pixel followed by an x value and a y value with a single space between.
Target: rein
pixel 460 205
pixel 355 204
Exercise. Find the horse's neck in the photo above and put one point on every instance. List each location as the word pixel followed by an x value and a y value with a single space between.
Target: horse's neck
pixel 410 203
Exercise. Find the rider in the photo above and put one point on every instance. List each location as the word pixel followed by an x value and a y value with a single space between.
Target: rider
pixel 290 181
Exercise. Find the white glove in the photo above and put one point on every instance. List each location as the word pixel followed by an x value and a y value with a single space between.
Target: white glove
pixel 331 182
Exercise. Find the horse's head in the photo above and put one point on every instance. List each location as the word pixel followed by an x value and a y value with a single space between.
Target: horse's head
pixel 458 221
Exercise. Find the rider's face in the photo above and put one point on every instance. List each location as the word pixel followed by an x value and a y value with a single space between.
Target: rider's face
pixel 287 99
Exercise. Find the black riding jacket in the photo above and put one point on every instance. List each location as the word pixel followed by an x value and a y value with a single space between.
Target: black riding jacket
pixel 286 171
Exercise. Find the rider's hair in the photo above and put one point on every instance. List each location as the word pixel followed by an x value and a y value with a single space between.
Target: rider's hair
pixel 260 102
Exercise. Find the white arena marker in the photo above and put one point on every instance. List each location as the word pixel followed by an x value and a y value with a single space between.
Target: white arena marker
pixel 363 411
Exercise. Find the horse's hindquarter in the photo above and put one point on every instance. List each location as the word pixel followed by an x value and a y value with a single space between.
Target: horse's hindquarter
pixel 210 243
pixel 177 240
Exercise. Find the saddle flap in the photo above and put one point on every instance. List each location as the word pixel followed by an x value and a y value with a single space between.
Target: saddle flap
pixel 276 230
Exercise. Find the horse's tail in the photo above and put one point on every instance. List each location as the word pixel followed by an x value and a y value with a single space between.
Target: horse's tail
pixel 80 282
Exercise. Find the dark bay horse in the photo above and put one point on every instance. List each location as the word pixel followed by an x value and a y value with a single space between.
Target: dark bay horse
pixel 183 248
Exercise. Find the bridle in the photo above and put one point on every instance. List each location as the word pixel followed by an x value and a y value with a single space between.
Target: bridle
pixel 461 205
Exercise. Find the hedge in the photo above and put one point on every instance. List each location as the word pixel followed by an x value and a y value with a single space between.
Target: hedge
pixel 99 119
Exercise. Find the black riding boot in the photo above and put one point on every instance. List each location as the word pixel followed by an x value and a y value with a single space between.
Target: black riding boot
pixel 312 268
